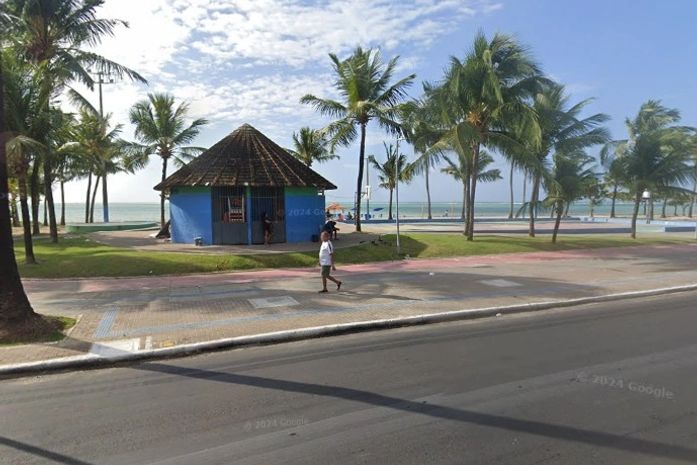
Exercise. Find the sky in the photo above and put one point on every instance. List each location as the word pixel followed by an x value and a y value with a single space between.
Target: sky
pixel 240 61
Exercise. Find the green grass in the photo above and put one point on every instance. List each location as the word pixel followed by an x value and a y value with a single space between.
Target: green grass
pixel 57 326
pixel 81 257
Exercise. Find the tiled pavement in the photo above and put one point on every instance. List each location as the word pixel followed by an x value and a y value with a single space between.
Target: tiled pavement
pixel 140 313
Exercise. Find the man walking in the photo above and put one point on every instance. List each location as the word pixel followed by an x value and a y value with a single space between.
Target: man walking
pixel 326 261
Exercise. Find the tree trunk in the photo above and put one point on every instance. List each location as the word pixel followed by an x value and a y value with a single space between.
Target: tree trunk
pixel 389 215
pixel 510 186
pixel 62 203
pixel 651 209
pixel 566 209
pixel 13 212
pixel 45 222
pixel 473 192
pixel 26 222
pixel 557 222
pixel 428 193
pixel 663 208
pixel 35 198
pixel 14 304
pixel 464 201
pixel 635 212
pixel 359 181
pixel 105 199
pixel 675 211
pixel 87 198
pixel 614 200
pixel 94 195
pixel 692 198
pixel 48 199
pixel 525 187
pixel 533 205
pixel 162 194
pixel 465 198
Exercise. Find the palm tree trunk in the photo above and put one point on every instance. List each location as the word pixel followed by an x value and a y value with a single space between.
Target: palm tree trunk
pixel 26 222
pixel 162 193
pixel 62 202
pixel 389 216
pixel 614 200
pixel 48 199
pixel 557 222
pixel 465 209
pixel 14 214
pixel 105 199
pixel 566 210
pixel 94 195
pixel 692 198
pixel 428 193
pixel 35 198
pixel 473 192
pixel 359 181
pixel 14 304
pixel 464 201
pixel 510 186
pixel 87 198
pixel 533 205
pixel 525 187
pixel 635 212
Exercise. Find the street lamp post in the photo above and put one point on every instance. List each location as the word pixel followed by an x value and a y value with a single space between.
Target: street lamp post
pixel 646 197
pixel 101 75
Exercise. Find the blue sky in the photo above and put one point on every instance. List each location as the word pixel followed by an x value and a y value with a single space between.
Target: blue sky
pixel 250 61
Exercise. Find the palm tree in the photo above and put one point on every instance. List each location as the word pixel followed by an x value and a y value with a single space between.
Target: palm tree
pixel 311 145
pixel 561 132
pixel 59 50
pixel 657 154
pixel 15 310
pixel 567 182
pixel 161 130
pixel 422 131
pixel 387 171
pixel 460 168
pixel 364 82
pixel 483 104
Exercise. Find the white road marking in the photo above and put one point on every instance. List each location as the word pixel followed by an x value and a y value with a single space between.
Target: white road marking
pixel 267 302
pixel 112 348
pixel 500 283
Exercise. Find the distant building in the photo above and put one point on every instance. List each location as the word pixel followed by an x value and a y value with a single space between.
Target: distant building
pixel 222 195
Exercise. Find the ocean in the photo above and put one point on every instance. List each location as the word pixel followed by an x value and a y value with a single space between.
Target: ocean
pixel 75 212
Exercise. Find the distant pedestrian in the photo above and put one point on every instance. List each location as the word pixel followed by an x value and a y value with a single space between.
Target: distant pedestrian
pixel 267 225
pixel 326 261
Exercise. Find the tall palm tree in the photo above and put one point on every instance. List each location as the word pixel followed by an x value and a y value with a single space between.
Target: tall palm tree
pixel 56 37
pixel 421 129
pixel 566 182
pixel 161 130
pixel 311 145
pixel 561 132
pixel 657 154
pixel 484 105
pixel 460 169
pixel 389 169
pixel 15 309
pixel 364 82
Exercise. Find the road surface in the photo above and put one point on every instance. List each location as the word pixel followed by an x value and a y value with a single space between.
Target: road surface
pixel 602 384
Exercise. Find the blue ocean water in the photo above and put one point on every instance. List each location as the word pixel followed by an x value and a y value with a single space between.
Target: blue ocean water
pixel 75 212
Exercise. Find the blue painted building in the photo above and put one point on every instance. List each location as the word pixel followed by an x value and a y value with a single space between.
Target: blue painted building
pixel 223 196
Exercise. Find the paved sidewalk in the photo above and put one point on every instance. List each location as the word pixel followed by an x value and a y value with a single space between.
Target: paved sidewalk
pixel 119 315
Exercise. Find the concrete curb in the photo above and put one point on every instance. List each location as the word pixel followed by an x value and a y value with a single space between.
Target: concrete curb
pixel 94 360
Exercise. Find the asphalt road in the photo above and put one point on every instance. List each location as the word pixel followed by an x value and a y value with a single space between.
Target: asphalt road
pixel 603 384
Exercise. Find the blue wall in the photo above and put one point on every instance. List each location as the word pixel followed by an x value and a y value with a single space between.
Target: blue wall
pixel 191 212
pixel 305 213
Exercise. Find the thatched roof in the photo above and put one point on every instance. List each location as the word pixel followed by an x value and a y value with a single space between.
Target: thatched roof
pixel 246 157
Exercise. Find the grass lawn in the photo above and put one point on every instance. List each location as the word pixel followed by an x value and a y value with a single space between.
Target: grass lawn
pixel 81 257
